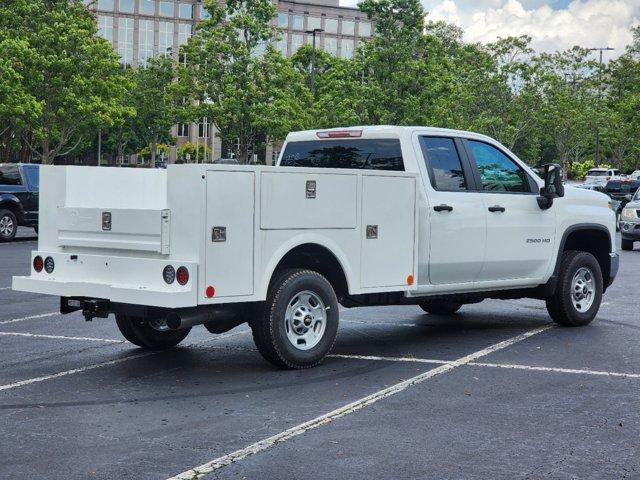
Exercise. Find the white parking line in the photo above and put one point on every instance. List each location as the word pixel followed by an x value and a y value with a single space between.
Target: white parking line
pixel 491 365
pixel 359 404
pixel 5 288
pixel 30 381
pixel 30 317
pixel 60 337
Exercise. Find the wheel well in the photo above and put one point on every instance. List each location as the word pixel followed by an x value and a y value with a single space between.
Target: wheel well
pixel 319 259
pixel 594 241
pixel 13 208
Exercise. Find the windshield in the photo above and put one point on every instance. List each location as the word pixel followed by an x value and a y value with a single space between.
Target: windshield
pixel 597 173
pixel 636 197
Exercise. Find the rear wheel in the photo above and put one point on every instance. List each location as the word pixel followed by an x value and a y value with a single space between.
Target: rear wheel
pixel 578 294
pixel 150 333
pixel 627 245
pixel 299 320
pixel 8 225
pixel 440 307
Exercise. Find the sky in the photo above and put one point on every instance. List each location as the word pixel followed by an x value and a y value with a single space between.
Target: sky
pixel 553 24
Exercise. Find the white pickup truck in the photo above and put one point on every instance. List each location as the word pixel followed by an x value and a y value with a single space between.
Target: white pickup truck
pixel 358 216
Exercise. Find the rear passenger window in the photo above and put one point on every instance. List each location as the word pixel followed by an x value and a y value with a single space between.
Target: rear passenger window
pixel 10 175
pixel 443 163
pixel 497 171
pixel 374 154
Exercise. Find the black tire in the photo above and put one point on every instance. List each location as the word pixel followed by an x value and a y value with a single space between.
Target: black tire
pixel 560 305
pixel 8 225
pixel 440 307
pixel 627 245
pixel 269 326
pixel 138 331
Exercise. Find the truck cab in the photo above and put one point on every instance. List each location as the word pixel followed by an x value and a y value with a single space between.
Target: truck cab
pixel 376 215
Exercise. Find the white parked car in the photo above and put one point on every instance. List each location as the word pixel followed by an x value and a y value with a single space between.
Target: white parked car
pixel 635 175
pixel 600 176
pixel 359 216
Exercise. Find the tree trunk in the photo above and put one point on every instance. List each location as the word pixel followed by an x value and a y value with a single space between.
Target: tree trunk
pixel 154 147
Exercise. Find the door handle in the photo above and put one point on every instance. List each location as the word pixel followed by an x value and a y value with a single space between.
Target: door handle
pixel 443 208
pixel 497 208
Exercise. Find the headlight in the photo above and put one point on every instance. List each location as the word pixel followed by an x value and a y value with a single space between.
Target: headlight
pixel 629 213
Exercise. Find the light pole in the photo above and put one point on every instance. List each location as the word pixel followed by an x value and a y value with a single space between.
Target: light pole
pixel 600 49
pixel 313 56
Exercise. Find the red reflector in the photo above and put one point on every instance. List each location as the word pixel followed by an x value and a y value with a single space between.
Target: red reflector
pixel 340 134
pixel 182 275
pixel 210 291
pixel 38 264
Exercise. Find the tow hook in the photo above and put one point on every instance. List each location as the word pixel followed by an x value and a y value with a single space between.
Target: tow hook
pixel 95 308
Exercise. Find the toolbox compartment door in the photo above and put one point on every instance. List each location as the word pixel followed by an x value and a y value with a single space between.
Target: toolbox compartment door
pixel 388 230
pixel 229 233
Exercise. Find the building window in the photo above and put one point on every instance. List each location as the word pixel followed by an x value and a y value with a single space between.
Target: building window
pixel 331 25
pixel 145 41
pixel 313 23
pixel 166 9
pixel 147 7
pixel 184 32
pixel 297 22
pixel 126 6
pixel 331 45
pixel 125 40
pixel 165 42
pixel 106 5
pixel 296 43
pixel 203 129
pixel 183 129
pixel 348 27
pixel 364 29
pixel 281 46
pixel 105 27
pixel 346 48
pixel 185 10
pixel 283 20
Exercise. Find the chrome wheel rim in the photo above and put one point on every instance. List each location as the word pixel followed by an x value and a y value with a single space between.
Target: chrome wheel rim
pixel 583 289
pixel 6 225
pixel 159 324
pixel 305 320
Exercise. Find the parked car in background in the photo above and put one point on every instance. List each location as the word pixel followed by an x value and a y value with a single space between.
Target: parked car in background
pixel 622 190
pixel 600 176
pixel 630 222
pixel 615 204
pixel 635 175
pixel 19 186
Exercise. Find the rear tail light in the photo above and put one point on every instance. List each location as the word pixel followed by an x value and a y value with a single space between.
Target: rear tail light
pixel 169 274
pixel 182 275
pixel 49 264
pixel 38 264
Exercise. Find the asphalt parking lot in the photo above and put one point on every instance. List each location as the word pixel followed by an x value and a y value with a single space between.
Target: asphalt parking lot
pixel 493 392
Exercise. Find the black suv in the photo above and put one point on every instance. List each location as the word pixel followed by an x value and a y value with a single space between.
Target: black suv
pixel 19 184
pixel 621 190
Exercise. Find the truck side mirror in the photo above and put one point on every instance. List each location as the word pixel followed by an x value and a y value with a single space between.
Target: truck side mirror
pixel 553 187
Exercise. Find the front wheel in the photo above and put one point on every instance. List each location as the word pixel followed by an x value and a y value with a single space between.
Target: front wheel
pixel 627 245
pixel 299 320
pixel 578 294
pixel 150 333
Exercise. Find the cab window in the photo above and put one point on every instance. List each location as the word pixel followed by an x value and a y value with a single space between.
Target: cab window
pixel 498 172
pixel 444 165
pixel 10 175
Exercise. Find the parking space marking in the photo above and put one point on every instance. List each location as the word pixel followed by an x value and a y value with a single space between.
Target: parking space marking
pixel 200 471
pixel 492 365
pixel 43 378
pixel 5 288
pixel 30 317
pixel 60 337
pixel 391 359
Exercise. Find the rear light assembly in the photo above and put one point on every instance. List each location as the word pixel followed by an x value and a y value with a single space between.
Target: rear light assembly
pixel 340 134
pixel 38 263
pixel 169 274
pixel 182 275
pixel 49 264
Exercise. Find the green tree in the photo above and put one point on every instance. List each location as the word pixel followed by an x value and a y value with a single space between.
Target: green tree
pixel 250 92
pixel 72 74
